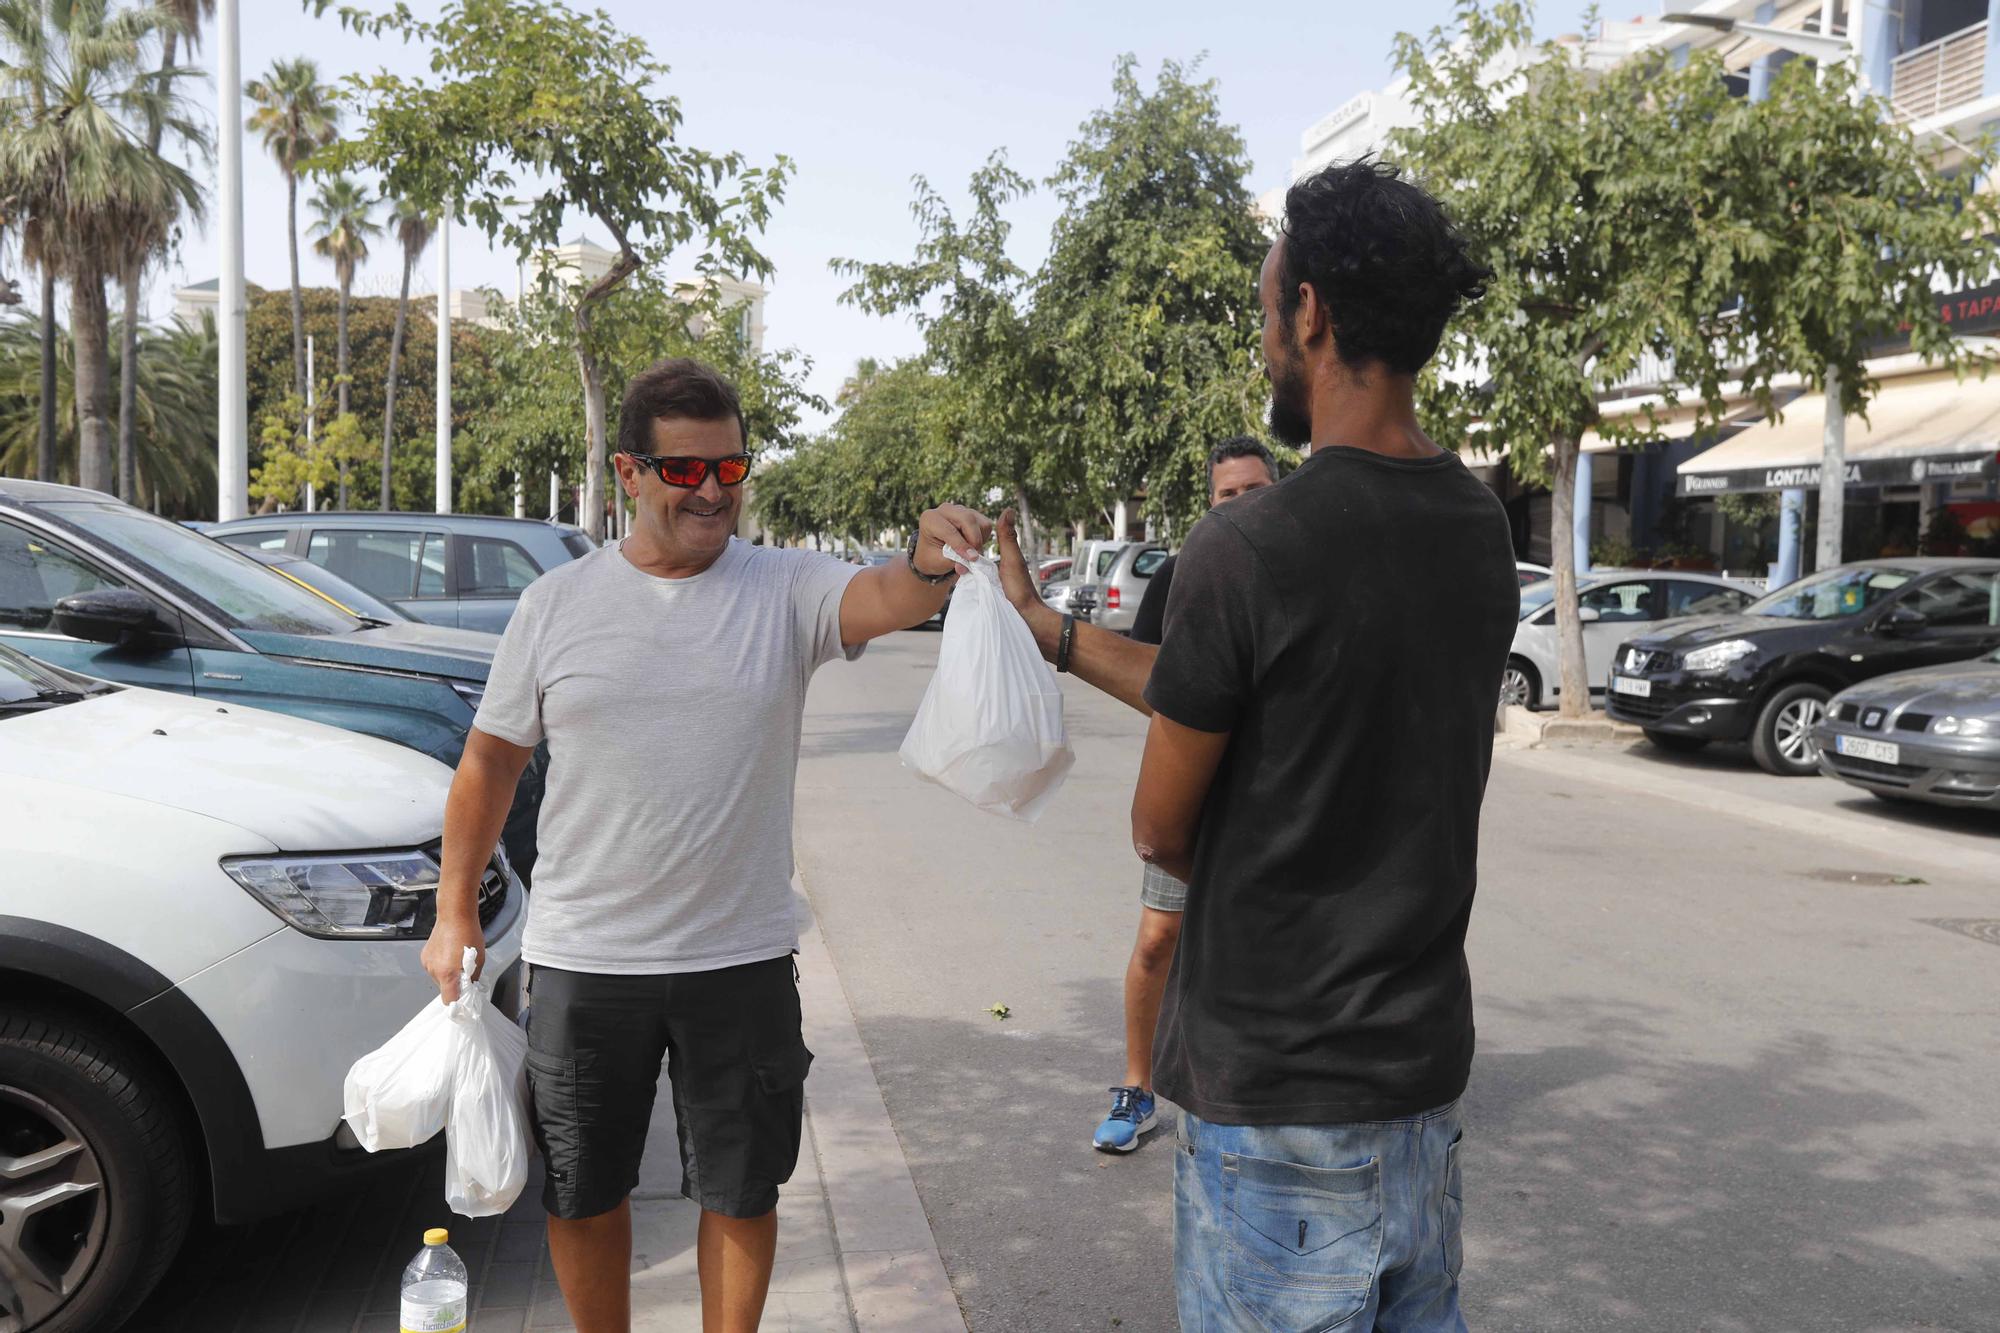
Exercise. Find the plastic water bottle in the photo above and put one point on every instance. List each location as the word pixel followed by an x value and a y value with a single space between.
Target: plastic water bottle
pixel 434 1287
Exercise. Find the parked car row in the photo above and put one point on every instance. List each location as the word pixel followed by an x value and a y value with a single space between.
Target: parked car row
pixel 1885 674
pixel 222 778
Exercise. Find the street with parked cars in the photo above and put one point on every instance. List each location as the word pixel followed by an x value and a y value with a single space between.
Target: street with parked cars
pixel 267 714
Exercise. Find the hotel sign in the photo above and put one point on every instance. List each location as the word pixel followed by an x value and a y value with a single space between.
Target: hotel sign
pixel 1860 472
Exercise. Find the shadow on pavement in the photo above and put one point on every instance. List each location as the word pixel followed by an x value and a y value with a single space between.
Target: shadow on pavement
pixel 1611 1183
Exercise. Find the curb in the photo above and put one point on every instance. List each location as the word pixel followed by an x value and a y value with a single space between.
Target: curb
pixel 1540 729
pixel 896 1280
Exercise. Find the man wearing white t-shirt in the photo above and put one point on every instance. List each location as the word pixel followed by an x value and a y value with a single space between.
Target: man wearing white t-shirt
pixel 668 675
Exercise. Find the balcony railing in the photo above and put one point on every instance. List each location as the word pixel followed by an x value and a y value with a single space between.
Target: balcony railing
pixel 1940 75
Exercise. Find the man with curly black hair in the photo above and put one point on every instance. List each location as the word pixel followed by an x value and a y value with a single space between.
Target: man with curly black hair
pixel 1322 730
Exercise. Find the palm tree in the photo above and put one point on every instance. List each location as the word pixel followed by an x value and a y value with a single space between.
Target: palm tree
pixel 148 238
pixel 297 117
pixel 343 226
pixel 74 90
pixel 174 411
pixel 413 232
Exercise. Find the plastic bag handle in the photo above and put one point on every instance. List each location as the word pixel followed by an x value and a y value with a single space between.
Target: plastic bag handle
pixel 468 964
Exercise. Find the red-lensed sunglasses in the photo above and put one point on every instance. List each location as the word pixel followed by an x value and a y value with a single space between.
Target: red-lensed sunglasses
pixel 689 473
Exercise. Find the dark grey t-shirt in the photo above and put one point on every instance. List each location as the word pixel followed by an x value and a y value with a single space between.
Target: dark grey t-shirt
pixel 1347 627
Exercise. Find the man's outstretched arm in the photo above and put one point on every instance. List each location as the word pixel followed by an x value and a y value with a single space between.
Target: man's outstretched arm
pixel 1113 663
pixel 889 597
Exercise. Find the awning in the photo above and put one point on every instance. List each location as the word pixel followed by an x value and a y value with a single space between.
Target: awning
pixel 1477 454
pixel 1925 428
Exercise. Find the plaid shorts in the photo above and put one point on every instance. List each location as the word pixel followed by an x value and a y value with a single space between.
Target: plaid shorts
pixel 1162 892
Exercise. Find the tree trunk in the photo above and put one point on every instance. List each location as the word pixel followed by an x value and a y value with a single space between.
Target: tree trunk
pixel 128 379
pixel 90 336
pixel 1029 547
pixel 1575 681
pixel 45 441
pixel 340 378
pixel 298 301
pixel 591 506
pixel 389 394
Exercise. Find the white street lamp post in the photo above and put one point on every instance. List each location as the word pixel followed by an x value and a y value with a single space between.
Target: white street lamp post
pixel 312 492
pixel 444 365
pixel 232 442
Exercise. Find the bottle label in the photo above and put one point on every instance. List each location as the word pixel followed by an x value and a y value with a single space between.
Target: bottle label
pixel 432 1317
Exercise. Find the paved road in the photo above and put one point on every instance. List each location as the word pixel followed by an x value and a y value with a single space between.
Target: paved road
pixel 1720 1086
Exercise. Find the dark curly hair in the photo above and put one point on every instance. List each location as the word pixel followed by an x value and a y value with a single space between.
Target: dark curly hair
pixel 1388 264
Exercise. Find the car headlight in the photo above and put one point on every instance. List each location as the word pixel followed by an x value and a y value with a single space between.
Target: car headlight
pixel 350 896
pixel 1717 656
pixel 472 691
pixel 1963 726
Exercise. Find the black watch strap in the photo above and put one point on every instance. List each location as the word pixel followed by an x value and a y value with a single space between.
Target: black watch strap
pixel 1065 642
pixel 932 579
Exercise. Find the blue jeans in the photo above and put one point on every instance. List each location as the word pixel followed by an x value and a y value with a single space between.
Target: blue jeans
pixel 1319 1228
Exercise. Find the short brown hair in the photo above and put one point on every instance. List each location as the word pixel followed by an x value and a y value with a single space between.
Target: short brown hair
pixel 678 386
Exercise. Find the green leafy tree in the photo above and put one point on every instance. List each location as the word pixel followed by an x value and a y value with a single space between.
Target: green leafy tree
pixel 73 90
pixel 1146 308
pixel 413 228
pixel 173 415
pixel 971 301
pixel 297 117
pixel 148 238
pixel 1643 211
pixel 538 113
pixel 1863 224
pixel 1597 200
pixel 343 224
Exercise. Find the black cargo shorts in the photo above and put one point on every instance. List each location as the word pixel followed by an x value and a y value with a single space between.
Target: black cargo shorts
pixel 735 1061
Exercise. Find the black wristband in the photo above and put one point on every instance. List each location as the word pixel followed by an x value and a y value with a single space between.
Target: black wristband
pixel 1063 643
pixel 932 579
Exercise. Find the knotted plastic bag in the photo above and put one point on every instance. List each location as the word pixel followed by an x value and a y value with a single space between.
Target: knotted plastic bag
pixel 460 1067
pixel 990 726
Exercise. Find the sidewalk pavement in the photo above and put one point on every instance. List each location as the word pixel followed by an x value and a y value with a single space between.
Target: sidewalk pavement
pixel 855 1251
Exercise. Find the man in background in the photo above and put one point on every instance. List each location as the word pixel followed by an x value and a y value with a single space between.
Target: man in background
pixel 1237 465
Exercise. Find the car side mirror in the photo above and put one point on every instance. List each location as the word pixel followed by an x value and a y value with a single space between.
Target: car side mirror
pixel 1902 620
pixel 106 615
pixel 1589 615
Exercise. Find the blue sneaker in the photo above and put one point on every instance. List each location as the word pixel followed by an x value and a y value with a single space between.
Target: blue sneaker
pixel 1131 1115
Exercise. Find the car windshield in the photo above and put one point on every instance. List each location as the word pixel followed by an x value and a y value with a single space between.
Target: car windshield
pixel 1836 594
pixel 24 680
pixel 241 590
pixel 1536 596
pixel 329 584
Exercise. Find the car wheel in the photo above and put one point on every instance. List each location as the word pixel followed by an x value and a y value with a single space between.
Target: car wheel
pixel 1519 686
pixel 96 1181
pixel 1782 742
pixel 1676 743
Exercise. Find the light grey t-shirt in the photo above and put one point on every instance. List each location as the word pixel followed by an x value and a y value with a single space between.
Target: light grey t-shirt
pixel 672 710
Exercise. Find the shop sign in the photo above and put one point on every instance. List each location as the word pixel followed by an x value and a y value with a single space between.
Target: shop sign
pixel 1860 472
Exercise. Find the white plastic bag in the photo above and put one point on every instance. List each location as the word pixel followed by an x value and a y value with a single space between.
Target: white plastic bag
pixel 990 726
pixel 460 1067
pixel 486 1134
pixel 398 1094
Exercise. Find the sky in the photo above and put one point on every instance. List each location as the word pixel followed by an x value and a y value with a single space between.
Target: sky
pixel 862 97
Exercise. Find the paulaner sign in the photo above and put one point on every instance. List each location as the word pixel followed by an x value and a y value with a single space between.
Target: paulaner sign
pixel 1860 472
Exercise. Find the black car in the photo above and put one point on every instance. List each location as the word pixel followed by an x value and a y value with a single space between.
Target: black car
pixel 1765 674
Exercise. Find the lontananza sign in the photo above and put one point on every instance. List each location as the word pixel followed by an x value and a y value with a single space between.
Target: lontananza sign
pixel 1903 471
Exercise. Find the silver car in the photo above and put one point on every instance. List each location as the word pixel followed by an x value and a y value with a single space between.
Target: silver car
pixel 1114 581
pixel 1615 605
pixel 1932 734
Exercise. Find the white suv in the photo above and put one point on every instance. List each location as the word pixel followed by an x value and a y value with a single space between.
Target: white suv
pixel 207 913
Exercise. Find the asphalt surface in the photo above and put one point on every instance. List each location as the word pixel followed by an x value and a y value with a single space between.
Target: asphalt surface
pixel 1721 1085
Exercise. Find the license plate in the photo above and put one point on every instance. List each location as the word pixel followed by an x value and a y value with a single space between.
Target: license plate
pixel 1860 747
pixel 1637 686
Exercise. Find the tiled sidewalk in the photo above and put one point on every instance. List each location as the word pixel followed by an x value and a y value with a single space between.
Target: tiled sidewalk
pixel 338 1268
